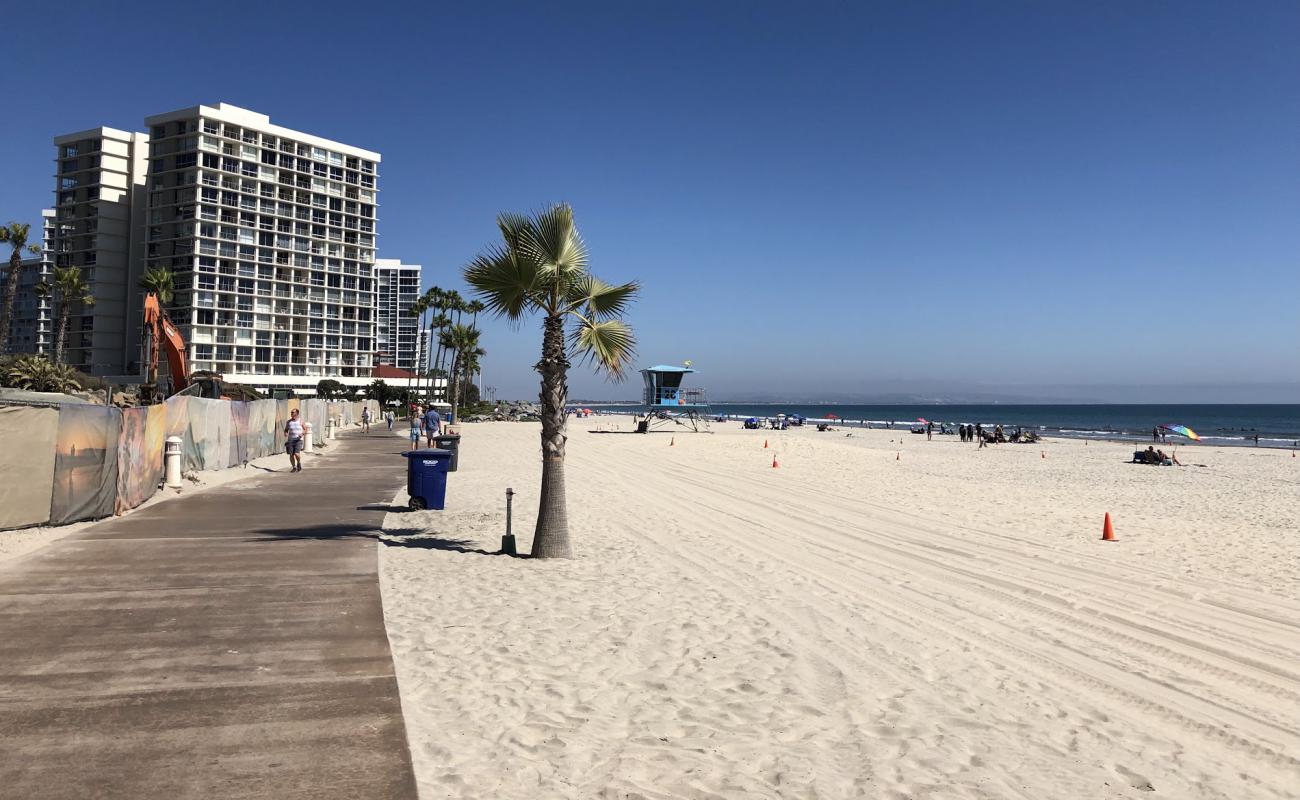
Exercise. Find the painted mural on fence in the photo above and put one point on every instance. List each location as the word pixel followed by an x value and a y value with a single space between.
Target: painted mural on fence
pixel 139 455
pixel 85 463
pixel 108 460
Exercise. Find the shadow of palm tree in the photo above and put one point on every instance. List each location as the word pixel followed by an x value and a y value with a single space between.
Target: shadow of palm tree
pixel 392 537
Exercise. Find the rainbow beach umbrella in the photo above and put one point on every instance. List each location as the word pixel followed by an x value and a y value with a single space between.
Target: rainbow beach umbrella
pixel 1182 430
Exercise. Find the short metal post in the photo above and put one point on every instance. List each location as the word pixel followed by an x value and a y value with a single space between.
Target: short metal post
pixel 508 541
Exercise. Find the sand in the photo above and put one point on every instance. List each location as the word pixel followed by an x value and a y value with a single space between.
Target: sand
pixel 880 616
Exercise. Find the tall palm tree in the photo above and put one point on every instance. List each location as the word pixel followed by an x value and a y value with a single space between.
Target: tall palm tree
pixel 542 267
pixel 15 234
pixel 460 341
pixel 416 310
pixel 72 288
pixel 469 363
pixel 159 280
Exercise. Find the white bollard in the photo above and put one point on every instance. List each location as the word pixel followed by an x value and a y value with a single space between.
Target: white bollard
pixel 172 457
pixel 306 437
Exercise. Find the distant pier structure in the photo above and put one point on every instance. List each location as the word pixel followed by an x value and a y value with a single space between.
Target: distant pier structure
pixel 667 402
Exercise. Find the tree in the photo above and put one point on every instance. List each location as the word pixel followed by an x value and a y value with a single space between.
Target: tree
pixel 72 288
pixel 15 233
pixel 159 281
pixel 380 392
pixel 461 341
pixel 328 389
pixel 542 268
pixel 417 309
pixel 39 374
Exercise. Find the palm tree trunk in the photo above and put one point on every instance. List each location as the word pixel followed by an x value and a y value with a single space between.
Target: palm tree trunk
pixel 11 292
pixel 551 536
pixel 62 332
pixel 455 390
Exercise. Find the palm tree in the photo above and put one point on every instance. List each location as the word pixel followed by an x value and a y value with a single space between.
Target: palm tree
pixel 542 267
pixel 460 341
pixel 159 281
pixel 469 364
pixel 15 233
pixel 416 310
pixel 72 288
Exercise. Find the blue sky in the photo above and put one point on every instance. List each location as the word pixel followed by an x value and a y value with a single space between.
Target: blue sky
pixel 838 197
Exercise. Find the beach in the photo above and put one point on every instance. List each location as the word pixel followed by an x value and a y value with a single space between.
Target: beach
pixel 878 616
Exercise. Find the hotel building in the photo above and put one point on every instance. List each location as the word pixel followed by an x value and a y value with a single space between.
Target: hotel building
pixel 99 187
pixel 398 340
pixel 270 235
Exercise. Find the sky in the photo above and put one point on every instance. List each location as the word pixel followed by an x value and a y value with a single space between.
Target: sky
pixel 838 198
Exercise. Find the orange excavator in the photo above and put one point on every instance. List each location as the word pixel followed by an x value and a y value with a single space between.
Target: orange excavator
pixel 164 336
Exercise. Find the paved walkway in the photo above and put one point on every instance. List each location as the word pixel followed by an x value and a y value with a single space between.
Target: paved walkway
pixel 225 645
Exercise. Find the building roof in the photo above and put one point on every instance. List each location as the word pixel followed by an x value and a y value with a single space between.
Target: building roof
pixel 388 371
pixel 666 368
pixel 252 119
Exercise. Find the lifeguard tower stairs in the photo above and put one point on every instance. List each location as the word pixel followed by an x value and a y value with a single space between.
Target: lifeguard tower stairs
pixel 667 403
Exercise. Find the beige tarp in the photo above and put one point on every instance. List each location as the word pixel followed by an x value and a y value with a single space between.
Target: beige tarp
pixel 27 437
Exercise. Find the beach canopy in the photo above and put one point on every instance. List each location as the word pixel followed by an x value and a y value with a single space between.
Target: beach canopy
pixel 1182 430
pixel 831 416
pixel 922 420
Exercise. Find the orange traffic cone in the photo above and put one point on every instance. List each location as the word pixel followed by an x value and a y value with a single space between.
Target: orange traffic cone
pixel 774 464
pixel 1107 531
pixel 764 444
pixel 672 441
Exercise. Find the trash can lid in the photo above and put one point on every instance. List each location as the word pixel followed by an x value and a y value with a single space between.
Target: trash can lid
pixel 427 453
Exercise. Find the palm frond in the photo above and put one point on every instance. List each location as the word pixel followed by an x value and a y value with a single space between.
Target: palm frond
pixel 594 298
pixel 515 228
pixel 557 247
pixel 505 282
pixel 607 345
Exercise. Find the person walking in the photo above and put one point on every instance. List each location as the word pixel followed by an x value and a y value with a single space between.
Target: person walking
pixel 417 424
pixel 929 431
pixel 365 420
pixel 388 417
pixel 1155 434
pixel 432 424
pixel 293 441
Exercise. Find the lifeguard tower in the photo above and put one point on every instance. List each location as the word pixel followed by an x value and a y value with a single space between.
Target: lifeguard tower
pixel 667 403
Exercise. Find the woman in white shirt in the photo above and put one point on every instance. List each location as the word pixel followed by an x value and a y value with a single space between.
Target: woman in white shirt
pixel 293 442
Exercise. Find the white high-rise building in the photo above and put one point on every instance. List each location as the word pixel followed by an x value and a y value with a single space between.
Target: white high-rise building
pixel 397 333
pixel 98 197
pixel 270 234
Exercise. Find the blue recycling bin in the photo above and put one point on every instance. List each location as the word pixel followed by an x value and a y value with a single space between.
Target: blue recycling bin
pixel 426 478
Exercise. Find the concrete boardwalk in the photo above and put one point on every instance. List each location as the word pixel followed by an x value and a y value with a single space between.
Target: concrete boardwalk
pixel 225 645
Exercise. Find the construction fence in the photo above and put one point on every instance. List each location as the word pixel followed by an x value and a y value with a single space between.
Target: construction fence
pixel 79 462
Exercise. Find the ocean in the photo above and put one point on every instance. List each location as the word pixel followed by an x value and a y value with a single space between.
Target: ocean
pixel 1276 425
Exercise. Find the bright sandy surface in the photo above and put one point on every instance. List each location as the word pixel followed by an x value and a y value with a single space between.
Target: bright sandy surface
pixel 881 616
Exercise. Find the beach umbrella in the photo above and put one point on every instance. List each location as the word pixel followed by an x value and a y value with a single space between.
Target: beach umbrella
pixel 922 420
pixel 1182 430
pixel 832 416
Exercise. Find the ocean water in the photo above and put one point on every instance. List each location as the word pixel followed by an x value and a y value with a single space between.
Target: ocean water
pixel 1276 425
